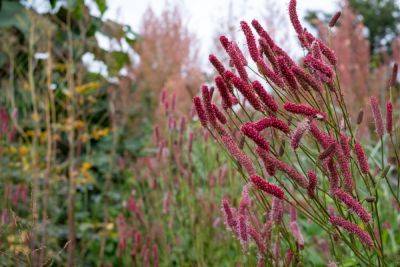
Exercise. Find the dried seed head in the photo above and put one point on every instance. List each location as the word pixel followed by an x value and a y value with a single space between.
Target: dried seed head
pixel 389 117
pixel 334 19
pixel 360 117
pixel 393 78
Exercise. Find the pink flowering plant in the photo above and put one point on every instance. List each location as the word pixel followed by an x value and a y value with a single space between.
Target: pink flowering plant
pixel 285 125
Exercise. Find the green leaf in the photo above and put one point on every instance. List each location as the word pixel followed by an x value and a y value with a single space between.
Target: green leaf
pixel 102 5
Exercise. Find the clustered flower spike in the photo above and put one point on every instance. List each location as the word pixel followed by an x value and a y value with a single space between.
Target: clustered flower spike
pixel 389 117
pixel 254 135
pixel 201 113
pixel 267 187
pixel 272 122
pixel 238 154
pixel 264 96
pixel 294 18
pixel 361 158
pixel 246 90
pixel 298 133
pixel 303 109
pixel 334 19
pixel 312 183
pixel 353 205
pixel 251 41
pixel 376 113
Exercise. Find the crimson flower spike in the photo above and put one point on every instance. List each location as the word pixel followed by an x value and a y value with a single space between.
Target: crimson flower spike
pixel 224 92
pixel 265 97
pixel 230 220
pixel 298 133
pixel 294 18
pixel 287 74
pixel 353 205
pixel 393 78
pixel 389 117
pixel 271 122
pixel 318 65
pixel 303 109
pixel 217 64
pixel 262 33
pixel 268 73
pixel 238 154
pixel 266 48
pixel 269 165
pixel 376 113
pixel 251 41
pixel 352 228
pixel 307 78
pixel 267 187
pixel 218 114
pixel 201 113
pixel 246 90
pixel 361 158
pixel 206 95
pixel 254 135
pixel 333 175
pixel 312 183
pixel 334 19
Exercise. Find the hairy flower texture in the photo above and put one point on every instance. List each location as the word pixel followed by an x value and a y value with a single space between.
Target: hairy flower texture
pixel 344 144
pixel 251 41
pixel 361 158
pixel 262 33
pixel 287 74
pixel 206 95
pixel 246 90
pixel 237 61
pixel 303 109
pixel 352 228
pixel 224 92
pixel 294 227
pixel 393 78
pixel 271 122
pixel 269 165
pixel 318 65
pixel 254 135
pixel 389 117
pixel 302 75
pixel 353 205
pixel 242 227
pixel 218 114
pixel 264 96
pixel 245 202
pixel 256 236
pixel 328 152
pixel 316 50
pixel 376 113
pixel 312 183
pixel 217 64
pixel 268 73
pixel 267 187
pixel 324 139
pixel 327 52
pixel 333 175
pixel 230 217
pixel 290 171
pixel 225 42
pixel 201 113
pixel 276 213
pixel 266 48
pixel 343 156
pixel 298 133
pixel 334 19
pixel 294 17
pixel 238 154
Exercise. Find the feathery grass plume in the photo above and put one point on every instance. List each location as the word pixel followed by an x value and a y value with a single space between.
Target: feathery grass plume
pixel 205 93
pixel 361 158
pixel 294 227
pixel 304 109
pixel 246 90
pixel 333 175
pixel 256 236
pixel 251 41
pixel 263 34
pixel 287 74
pixel 218 114
pixel 318 65
pixel 272 122
pixel 201 113
pixel 238 154
pixel 217 64
pixel 264 96
pixel 352 228
pixel 328 152
pixel 376 113
pixel 389 117
pixel 229 215
pixel 353 205
pixel 312 183
pixel 334 19
pixel 269 166
pixel 393 78
pixel 268 73
pixel 302 75
pixel 267 50
pixel 297 134
pixel 294 18
pixel 267 187
pixel 224 92
pixel 254 135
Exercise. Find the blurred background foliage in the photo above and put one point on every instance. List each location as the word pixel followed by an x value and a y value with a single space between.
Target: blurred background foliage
pixel 85 178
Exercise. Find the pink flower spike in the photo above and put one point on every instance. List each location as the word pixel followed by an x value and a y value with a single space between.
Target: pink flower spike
pixel 254 135
pixel 217 64
pixel 243 232
pixel 393 78
pixel 287 74
pixel 303 109
pixel 389 117
pixel 344 143
pixel 265 97
pixel 251 41
pixel 328 153
pixel 353 205
pixel 230 218
pixel 237 59
pixel 298 133
pixel 276 213
pixel 266 48
pixel 206 95
pixel 328 53
pixel 269 188
pixel 201 113
pixel 262 33
pixel 224 92
pixel 376 113
pixel 245 202
pixel 312 183
pixel 218 114
pixel 258 240
pixel 271 122
pixel 224 42
pixel 316 50
pixel 307 78
pixel 361 158
pixel 291 172
pixel 353 229
pixel 268 73
pixel 334 19
pixel 269 165
pixel 246 90
pixel 324 139
pixel 318 65
pixel 333 175
pixel 238 154
pixel 294 17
